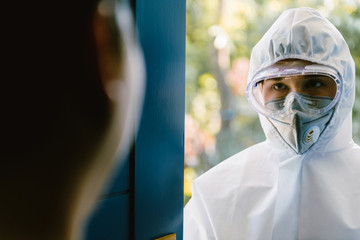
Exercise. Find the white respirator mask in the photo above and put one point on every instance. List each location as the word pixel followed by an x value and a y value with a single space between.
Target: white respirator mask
pixel 298 98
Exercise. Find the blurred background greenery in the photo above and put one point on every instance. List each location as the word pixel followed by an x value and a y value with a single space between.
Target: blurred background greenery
pixel 219 37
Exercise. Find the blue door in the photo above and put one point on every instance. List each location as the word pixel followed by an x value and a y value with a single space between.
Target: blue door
pixel 145 199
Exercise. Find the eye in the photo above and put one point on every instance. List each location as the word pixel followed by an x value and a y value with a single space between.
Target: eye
pixel 279 86
pixel 314 83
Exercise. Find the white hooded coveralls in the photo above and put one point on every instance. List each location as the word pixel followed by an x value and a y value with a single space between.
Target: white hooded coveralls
pixel 268 191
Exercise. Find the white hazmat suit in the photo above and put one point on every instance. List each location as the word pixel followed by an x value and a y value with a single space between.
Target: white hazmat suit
pixel 268 191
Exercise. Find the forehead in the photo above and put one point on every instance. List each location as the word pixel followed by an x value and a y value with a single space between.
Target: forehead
pixel 298 78
pixel 290 78
pixel 288 65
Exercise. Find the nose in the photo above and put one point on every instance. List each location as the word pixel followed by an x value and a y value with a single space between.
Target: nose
pixel 294 102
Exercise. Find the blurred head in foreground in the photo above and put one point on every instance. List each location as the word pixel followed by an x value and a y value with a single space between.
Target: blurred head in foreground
pixel 73 80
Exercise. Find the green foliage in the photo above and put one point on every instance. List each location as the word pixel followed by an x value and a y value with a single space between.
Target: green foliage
pixel 347 20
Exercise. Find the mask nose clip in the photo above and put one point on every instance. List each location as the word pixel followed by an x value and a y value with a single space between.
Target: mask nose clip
pixel 291 98
pixel 296 102
pixel 291 101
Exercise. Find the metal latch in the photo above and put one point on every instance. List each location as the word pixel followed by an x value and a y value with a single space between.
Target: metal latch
pixel 167 237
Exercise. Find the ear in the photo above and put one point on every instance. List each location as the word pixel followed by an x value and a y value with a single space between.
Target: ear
pixel 121 65
pixel 108 43
pixel 119 55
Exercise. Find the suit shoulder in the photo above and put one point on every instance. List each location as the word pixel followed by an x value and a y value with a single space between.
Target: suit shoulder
pixel 232 168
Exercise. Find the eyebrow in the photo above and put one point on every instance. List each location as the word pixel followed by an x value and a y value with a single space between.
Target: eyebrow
pixel 305 76
pixel 273 79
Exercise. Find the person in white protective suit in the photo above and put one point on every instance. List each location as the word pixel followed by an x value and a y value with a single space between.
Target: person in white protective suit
pixel 303 181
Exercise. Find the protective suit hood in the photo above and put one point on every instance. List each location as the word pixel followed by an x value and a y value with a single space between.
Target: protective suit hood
pixel 305 35
pixel 267 191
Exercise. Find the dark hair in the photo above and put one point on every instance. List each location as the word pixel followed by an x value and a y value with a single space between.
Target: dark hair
pixel 52 81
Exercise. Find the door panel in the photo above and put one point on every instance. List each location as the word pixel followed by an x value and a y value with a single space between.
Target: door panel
pixel 112 217
pixel 159 150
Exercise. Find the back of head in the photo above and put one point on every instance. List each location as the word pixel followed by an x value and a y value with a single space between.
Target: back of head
pixel 58 118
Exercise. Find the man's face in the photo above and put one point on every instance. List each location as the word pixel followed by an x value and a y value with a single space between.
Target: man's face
pixel 312 85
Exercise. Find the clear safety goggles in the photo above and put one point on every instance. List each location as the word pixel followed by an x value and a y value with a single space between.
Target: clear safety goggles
pixel 318 88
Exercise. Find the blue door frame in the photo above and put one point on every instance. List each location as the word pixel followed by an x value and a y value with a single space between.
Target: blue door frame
pixel 145 199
